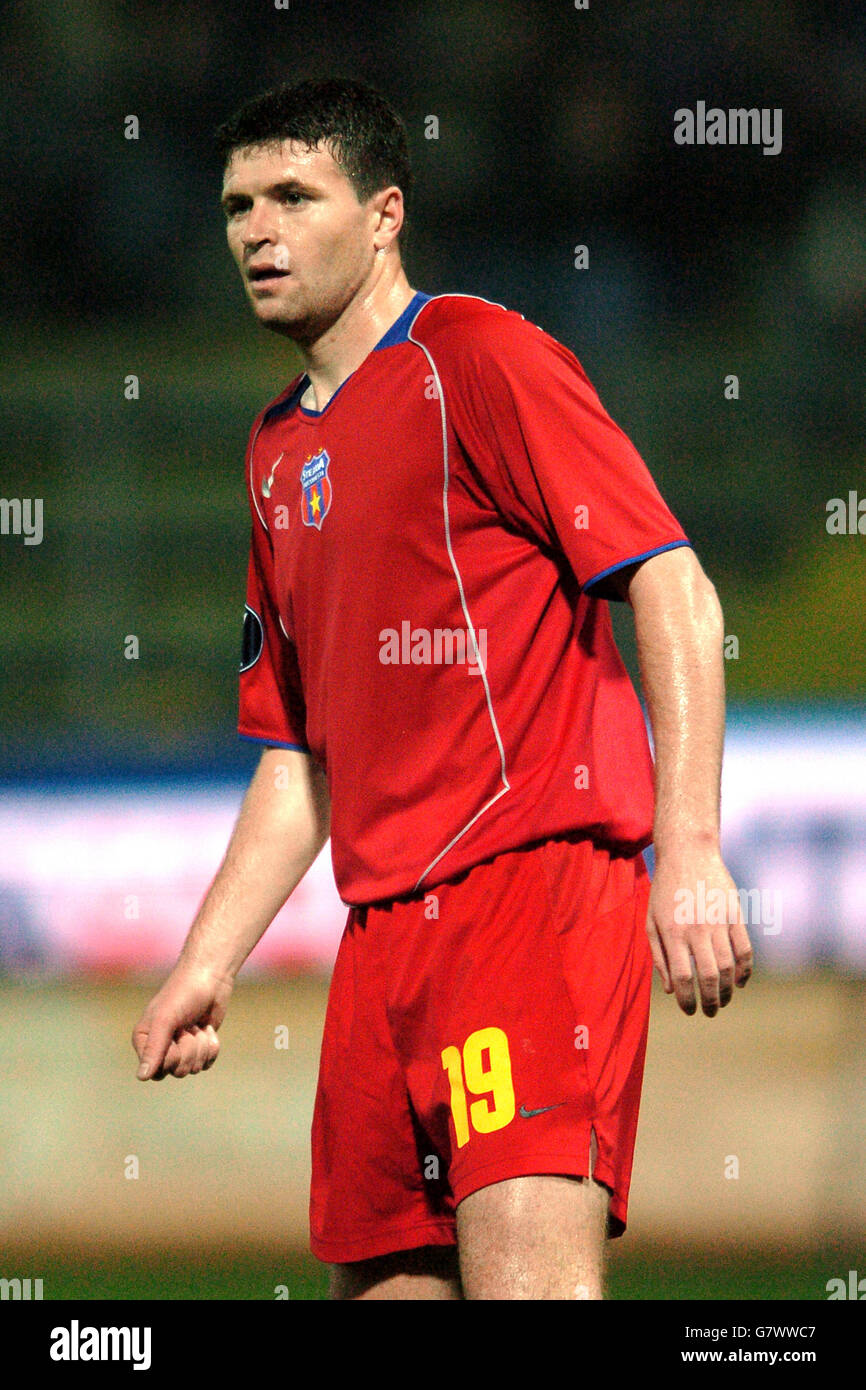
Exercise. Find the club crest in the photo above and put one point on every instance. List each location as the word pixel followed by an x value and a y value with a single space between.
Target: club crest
pixel 316 489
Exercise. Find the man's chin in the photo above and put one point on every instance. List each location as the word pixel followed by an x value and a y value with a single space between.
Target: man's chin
pixel 302 328
pixel 277 319
pixel 287 328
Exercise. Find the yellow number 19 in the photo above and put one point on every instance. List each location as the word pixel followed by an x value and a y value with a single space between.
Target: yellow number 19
pixel 492 1080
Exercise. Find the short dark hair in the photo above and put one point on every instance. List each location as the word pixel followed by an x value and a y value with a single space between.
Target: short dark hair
pixel 364 133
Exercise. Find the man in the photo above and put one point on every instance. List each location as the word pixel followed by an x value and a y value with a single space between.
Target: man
pixel 441 510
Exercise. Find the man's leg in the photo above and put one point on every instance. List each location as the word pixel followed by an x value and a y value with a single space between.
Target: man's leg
pixel 428 1273
pixel 540 1237
pixel 367 1194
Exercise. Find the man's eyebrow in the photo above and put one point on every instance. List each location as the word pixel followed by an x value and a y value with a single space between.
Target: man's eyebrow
pixel 292 186
pixel 281 186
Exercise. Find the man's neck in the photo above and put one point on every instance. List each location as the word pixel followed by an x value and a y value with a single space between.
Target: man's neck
pixel 342 348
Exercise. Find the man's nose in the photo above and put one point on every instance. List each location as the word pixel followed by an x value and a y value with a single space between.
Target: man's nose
pixel 258 226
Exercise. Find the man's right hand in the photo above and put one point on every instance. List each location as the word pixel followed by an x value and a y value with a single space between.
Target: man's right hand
pixel 176 1034
pixel 283 824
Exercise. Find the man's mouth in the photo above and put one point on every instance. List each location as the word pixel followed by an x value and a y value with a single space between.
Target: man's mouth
pixel 259 273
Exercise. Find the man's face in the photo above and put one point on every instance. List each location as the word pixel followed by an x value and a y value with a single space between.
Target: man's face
pixel 302 241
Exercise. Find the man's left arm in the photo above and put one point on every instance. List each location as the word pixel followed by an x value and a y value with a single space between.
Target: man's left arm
pixel 679 630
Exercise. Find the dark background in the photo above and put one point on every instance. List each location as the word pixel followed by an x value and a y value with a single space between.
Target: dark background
pixel 556 129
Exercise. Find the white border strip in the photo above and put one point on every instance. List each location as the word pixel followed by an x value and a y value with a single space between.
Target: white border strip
pixel 506 786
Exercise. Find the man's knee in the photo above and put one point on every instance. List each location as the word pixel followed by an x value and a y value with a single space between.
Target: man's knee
pixel 427 1272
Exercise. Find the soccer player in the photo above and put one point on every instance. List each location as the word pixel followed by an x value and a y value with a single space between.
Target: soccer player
pixel 441 513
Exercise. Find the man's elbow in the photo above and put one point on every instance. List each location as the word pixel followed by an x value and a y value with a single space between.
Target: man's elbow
pixel 677 571
pixel 699 584
pixel 675 582
pixel 707 600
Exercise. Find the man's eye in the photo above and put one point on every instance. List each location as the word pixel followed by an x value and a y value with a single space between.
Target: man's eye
pixel 290 197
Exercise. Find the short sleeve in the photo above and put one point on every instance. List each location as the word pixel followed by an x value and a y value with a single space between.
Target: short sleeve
pixel 271 699
pixel 553 460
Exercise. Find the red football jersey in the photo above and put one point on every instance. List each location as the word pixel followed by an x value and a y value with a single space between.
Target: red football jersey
pixel 426 604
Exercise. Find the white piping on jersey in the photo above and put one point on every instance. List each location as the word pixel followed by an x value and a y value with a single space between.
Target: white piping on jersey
pixel 506 785
pixel 491 302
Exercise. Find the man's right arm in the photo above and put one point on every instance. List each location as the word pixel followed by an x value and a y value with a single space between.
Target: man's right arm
pixel 283 824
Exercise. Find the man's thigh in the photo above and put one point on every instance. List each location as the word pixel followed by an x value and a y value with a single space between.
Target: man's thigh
pixel 538 1237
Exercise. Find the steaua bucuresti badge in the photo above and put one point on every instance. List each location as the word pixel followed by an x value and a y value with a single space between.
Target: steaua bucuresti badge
pixel 316 488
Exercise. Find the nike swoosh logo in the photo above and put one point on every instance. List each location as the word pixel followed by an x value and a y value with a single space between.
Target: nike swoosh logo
pixel 528 1114
pixel 268 483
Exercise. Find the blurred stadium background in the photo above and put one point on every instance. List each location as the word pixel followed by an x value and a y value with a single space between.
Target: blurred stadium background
pixel 121 777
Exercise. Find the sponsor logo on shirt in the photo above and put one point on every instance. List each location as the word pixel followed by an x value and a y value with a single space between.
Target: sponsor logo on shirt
pixel 253 638
pixel 268 482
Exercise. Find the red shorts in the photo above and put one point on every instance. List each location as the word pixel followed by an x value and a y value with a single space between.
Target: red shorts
pixel 476 1033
